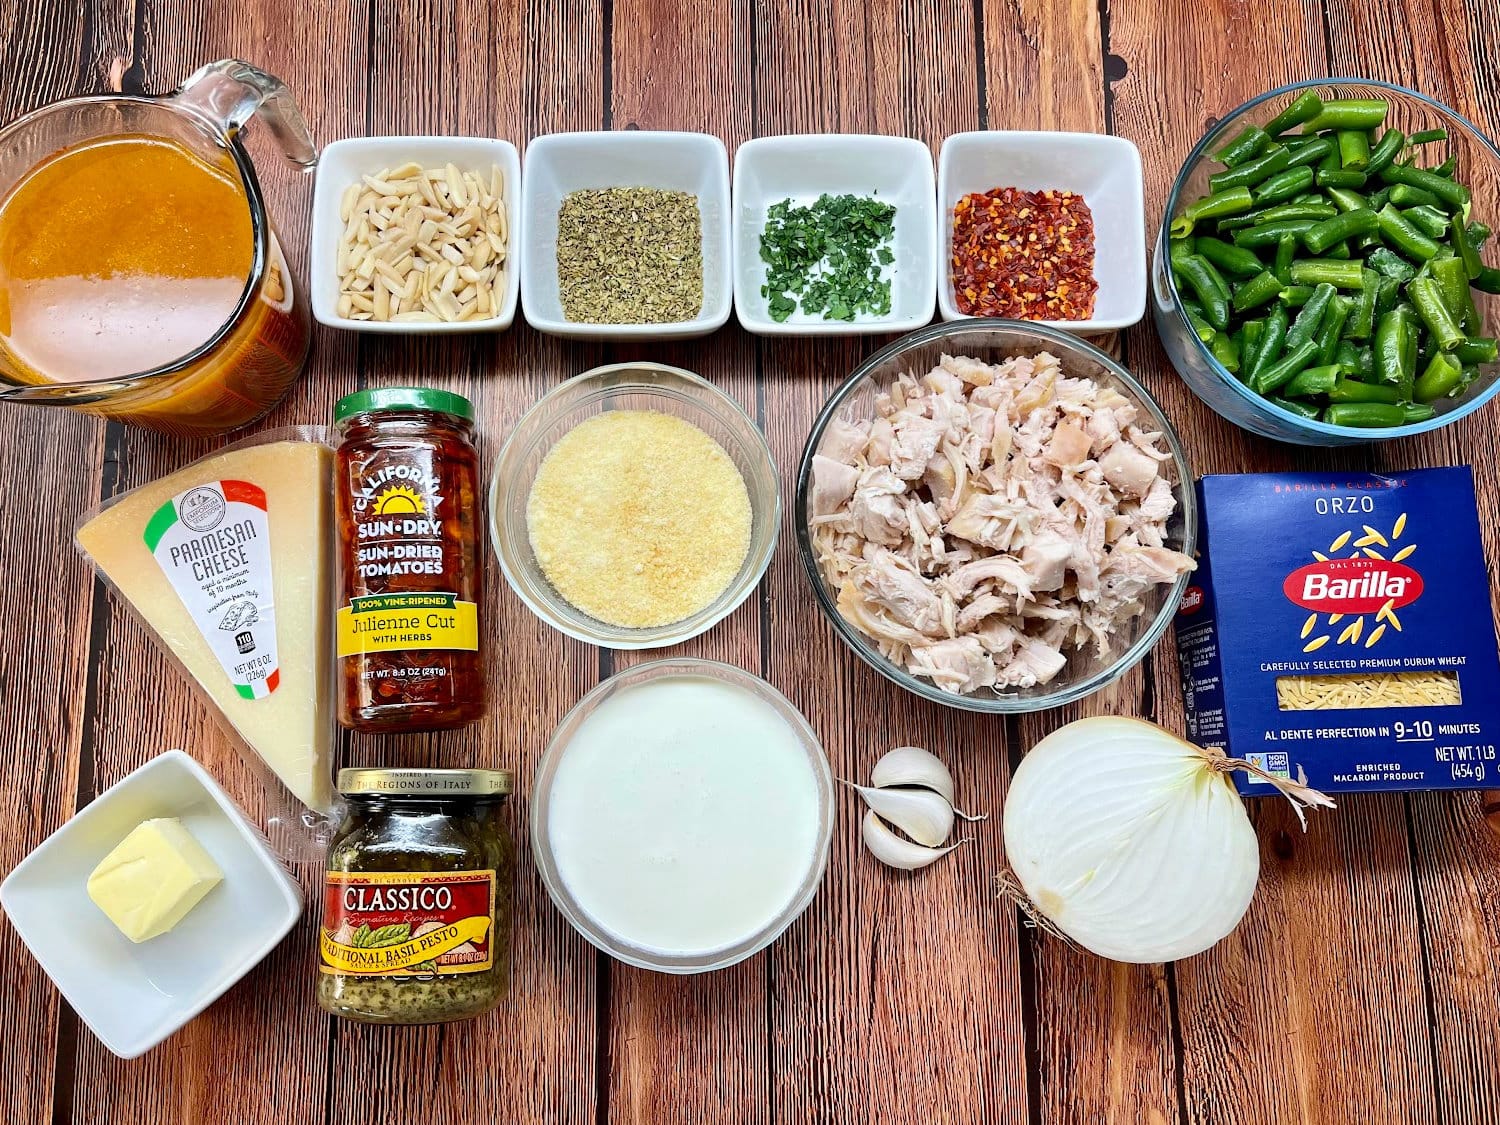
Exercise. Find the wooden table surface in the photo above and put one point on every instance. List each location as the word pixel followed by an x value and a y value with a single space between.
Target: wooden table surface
pixel 1364 986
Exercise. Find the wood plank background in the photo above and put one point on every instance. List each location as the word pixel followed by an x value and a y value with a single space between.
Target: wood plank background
pixel 1363 987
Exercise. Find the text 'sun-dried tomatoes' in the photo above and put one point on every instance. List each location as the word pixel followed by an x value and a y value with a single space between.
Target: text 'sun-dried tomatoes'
pixel 406 485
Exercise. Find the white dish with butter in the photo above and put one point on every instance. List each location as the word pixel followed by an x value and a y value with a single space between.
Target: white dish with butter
pixel 682 814
pixel 132 996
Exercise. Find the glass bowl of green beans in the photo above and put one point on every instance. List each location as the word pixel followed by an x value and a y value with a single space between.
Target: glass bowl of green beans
pixel 1321 276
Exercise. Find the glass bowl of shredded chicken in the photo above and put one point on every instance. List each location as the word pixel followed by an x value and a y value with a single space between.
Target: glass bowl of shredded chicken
pixel 996 515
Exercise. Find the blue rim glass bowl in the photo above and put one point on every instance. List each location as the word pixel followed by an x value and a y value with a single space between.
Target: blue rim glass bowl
pixel 1478 166
pixel 994 341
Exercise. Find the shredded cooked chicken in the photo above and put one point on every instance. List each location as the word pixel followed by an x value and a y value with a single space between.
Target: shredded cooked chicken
pixel 991 521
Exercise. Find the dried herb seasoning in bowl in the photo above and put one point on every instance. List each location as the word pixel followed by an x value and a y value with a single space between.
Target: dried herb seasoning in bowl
pixel 630 255
pixel 626 235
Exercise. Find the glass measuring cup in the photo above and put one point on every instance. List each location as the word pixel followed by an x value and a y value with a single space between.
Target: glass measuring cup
pixel 244 367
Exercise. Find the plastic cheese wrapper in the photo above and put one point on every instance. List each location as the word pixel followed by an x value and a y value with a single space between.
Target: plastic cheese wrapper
pixel 226 562
pixel 1340 624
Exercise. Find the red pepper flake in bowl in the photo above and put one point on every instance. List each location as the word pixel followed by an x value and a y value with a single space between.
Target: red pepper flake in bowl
pixel 1026 255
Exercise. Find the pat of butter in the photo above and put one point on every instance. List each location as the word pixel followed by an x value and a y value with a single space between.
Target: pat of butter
pixel 153 878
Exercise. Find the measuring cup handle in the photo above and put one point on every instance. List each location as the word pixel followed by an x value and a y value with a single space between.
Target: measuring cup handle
pixel 228 93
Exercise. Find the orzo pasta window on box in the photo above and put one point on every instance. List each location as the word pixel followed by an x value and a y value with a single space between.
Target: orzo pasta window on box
pixel 1339 625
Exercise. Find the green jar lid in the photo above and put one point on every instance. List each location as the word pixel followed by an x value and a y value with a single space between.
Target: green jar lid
pixel 403 398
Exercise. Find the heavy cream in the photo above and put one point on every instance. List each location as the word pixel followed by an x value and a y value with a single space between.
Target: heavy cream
pixel 684 815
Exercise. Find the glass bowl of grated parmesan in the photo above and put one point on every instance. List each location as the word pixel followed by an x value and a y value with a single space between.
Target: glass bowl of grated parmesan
pixel 634 506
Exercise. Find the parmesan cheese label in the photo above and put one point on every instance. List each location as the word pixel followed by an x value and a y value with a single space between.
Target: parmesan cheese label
pixel 213 542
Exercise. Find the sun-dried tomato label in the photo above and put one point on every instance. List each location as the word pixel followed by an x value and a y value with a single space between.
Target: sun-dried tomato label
pixel 394 923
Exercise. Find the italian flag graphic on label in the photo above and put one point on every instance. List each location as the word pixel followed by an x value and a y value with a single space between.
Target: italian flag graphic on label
pixel 213 542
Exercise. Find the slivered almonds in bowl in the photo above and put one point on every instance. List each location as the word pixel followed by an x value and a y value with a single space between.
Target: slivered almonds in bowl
pixel 424 246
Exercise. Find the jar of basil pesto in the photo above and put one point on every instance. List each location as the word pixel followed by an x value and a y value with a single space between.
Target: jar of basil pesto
pixel 417 897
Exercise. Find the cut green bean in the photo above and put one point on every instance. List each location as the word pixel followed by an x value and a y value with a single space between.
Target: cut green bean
pixel 1309 151
pixel 1364 415
pixel 1477 349
pixel 1396 230
pixel 1427 136
pixel 1230 202
pixel 1225 351
pixel 1331 331
pixel 1301 409
pixel 1390 346
pixel 1302 109
pixel 1446 168
pixel 1349 113
pixel 1390 292
pixel 1316 271
pixel 1310 316
pixel 1249 142
pixel 1261 288
pixel 1417 412
pixel 1442 377
pixel 1385 150
pixel 1449 191
pixel 1312 381
pixel 1295 296
pixel 1404 195
pixel 1230 259
pixel 1340 178
pixel 1453 281
pixel 1273 376
pixel 1488 280
pixel 1286 252
pixel 1347 199
pixel 1283 186
pixel 1338 228
pixel 1201 327
pixel 1269 234
pixel 1429 220
pixel 1280 212
pixel 1463 246
pixel 1362 319
pixel 1270 344
pixel 1354 149
pixel 1252 172
pixel 1427 296
pixel 1352 390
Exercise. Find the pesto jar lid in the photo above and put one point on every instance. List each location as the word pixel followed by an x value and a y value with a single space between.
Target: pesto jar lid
pixel 425 783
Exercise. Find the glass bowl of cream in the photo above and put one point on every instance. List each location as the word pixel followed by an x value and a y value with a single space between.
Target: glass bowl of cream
pixel 613 501
pixel 681 815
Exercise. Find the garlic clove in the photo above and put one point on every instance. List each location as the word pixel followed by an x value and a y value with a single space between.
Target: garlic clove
pixel 893 851
pixel 911 765
pixel 925 816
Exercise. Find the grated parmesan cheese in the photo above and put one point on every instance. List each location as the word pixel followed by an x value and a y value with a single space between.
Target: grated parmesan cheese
pixel 639 519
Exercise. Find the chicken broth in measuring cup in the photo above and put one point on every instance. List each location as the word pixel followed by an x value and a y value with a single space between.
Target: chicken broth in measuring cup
pixel 119 255
pixel 139 275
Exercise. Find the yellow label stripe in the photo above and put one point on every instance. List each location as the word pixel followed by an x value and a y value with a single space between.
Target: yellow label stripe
pixel 394 958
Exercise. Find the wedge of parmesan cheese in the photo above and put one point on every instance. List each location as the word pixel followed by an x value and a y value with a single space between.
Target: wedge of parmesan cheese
pixel 227 563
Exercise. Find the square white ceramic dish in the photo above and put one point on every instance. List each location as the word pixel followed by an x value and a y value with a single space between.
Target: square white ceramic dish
pixel 895 170
pixel 1105 170
pixel 134 996
pixel 344 162
pixel 565 162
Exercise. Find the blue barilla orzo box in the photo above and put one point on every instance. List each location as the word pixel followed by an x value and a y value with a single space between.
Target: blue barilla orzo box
pixel 1341 622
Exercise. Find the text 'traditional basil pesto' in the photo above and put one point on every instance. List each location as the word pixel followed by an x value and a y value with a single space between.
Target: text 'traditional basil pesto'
pixel 417 897
pixel 406 484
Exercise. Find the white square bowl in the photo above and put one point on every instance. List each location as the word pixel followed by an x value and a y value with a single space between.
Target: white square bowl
pixel 565 162
pixel 134 996
pixel 895 170
pixel 344 162
pixel 1105 170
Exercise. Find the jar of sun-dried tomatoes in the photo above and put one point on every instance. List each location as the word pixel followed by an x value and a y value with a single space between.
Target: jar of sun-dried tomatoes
pixel 410 575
